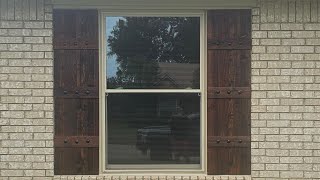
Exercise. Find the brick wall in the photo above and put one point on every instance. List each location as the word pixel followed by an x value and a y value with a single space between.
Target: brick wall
pixel 285 97
pixel 286 90
pixel 26 80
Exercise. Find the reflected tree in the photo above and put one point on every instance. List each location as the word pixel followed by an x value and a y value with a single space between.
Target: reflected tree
pixel 140 43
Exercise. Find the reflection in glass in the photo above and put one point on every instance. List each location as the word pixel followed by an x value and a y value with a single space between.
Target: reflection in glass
pixel 153 52
pixel 153 129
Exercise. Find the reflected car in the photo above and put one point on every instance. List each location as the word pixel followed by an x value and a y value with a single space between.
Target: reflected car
pixel 181 137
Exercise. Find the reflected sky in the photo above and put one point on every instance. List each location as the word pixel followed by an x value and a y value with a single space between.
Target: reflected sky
pixel 111 60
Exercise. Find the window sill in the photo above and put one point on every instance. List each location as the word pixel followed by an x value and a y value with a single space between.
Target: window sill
pixel 154 177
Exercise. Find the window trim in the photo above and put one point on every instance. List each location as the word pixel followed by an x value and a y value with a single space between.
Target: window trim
pixel 103 91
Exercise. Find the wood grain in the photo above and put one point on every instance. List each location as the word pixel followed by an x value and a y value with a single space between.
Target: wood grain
pixel 229 92
pixel 76 92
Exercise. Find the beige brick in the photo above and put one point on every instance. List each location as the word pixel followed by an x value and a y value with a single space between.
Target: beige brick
pixel 274 26
pixel 269 57
pixel 42 92
pixel 12 158
pixel 12 114
pixel 270 42
pixel 304 123
pixel 291 27
pixel 20 150
pixel 33 24
pixel 20 136
pixel 20 62
pixel 11 173
pixel 302 109
pixel 291 160
pixel 313 72
pixel 278 49
pixel 293 42
pixel 271 174
pixel 291 174
pixel 312 26
pixel 35 158
pixel 269 130
pixel 268 86
pixel 277 167
pixel 42 77
pixel 19 77
pixel 19 32
pixel 279 34
pixel 295 87
pixel 302 49
pixel 278 123
pixel 34 55
pixel 34 114
pixel 35 172
pixel 42 32
pixel 42 47
pixel 20 165
pixel 35 128
pixel 43 136
pixel 311 116
pixel 312 56
pixel 259 34
pixel 303 34
pixel 11 40
pixel 11 70
pixel 277 108
pixel 277 138
pixel 35 143
pixel 34 85
pixel 34 100
pixel 278 79
pixel 301 138
pixel 33 70
pixel 33 40
pixel 11 55
pixel 43 150
pixel 258 49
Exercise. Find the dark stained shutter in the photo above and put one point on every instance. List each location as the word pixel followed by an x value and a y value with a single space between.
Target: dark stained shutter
pixel 76 84
pixel 229 92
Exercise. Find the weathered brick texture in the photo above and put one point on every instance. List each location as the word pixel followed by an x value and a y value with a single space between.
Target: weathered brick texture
pixel 285 83
pixel 26 124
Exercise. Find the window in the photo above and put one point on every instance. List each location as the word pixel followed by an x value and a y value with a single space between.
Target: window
pixel 153 91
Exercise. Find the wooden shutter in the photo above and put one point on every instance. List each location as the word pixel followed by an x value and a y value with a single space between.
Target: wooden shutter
pixel 76 80
pixel 229 92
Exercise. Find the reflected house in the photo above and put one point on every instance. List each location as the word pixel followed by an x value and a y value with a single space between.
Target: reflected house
pixel 176 75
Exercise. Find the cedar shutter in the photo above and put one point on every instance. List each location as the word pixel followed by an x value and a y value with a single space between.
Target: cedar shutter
pixel 229 92
pixel 76 97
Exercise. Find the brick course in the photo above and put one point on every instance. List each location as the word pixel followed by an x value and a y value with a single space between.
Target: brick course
pixel 285 92
pixel 26 131
pixel 284 116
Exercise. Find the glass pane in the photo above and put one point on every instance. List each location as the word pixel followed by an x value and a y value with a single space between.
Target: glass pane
pixel 153 52
pixel 153 129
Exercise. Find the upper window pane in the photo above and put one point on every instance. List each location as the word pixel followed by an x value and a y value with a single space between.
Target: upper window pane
pixel 153 52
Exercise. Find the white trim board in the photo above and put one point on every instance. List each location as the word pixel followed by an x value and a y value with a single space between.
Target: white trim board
pixel 154 4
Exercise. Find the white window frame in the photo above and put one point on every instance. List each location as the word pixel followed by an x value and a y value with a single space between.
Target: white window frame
pixel 174 168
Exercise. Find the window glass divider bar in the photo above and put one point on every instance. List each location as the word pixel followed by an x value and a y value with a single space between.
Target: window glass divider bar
pixel 153 91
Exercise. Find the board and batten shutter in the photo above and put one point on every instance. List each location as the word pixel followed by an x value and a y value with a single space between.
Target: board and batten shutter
pixel 229 92
pixel 76 97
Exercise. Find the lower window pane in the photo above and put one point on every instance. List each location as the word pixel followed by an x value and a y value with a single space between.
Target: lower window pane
pixel 153 129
